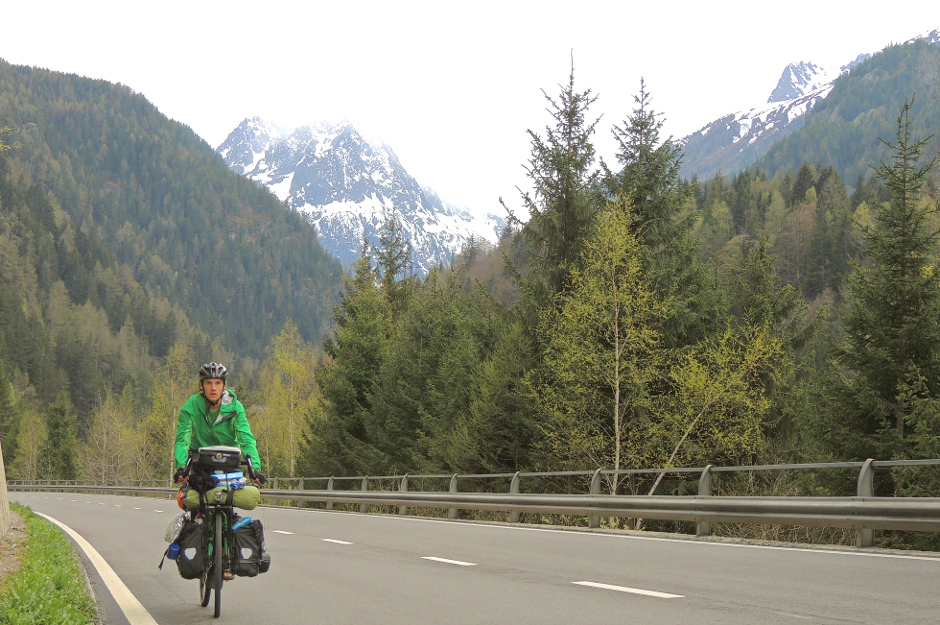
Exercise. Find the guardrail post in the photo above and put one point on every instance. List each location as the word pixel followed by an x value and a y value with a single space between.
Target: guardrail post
pixel 329 487
pixel 514 490
pixel 595 519
pixel 403 488
pixel 866 488
pixel 453 513
pixel 704 528
pixel 364 507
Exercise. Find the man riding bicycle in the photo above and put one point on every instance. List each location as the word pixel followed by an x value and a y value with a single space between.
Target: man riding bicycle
pixel 214 416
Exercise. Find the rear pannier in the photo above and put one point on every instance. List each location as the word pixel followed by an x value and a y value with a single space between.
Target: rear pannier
pixel 250 558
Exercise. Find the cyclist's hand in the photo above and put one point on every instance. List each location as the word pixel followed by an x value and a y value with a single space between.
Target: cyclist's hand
pixel 179 476
pixel 259 479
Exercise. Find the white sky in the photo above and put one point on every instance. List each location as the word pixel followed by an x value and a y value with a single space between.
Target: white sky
pixel 451 87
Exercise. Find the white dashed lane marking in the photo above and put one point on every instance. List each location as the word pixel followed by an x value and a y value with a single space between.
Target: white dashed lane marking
pixel 283 532
pixel 446 561
pixel 336 542
pixel 634 591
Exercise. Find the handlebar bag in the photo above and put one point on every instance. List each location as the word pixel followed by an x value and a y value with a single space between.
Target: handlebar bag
pixel 219 457
pixel 191 561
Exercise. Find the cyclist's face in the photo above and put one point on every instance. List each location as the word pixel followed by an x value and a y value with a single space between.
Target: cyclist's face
pixel 213 388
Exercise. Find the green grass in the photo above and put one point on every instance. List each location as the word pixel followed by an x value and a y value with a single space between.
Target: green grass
pixel 49 587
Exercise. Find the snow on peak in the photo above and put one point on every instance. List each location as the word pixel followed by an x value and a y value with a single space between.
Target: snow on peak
pixel 800 79
pixel 347 185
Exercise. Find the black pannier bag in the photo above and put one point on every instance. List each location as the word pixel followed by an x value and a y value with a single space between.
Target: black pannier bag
pixel 191 561
pixel 250 558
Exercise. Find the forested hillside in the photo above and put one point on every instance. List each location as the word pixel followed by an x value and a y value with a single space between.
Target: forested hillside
pixel 633 319
pixel 844 130
pixel 123 236
pixel 627 319
pixel 153 193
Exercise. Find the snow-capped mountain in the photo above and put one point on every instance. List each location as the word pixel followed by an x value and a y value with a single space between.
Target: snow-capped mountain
pixel 347 186
pixel 798 80
pixel 731 143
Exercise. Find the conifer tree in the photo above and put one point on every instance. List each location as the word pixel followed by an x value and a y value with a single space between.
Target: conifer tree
pixel 61 446
pixel 649 177
pixel 560 205
pixel 338 441
pixel 891 332
pixel 650 184
pixel 393 262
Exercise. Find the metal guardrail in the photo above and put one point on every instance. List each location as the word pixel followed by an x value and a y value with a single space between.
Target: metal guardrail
pixel 863 512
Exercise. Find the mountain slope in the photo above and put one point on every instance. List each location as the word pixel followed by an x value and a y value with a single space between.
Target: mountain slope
pixel 737 140
pixel 846 128
pixel 347 186
pixel 228 253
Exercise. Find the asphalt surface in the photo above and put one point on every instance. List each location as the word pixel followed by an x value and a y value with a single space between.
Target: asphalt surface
pixel 334 567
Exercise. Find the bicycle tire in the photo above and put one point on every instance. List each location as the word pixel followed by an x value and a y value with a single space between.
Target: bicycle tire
pixel 217 549
pixel 205 589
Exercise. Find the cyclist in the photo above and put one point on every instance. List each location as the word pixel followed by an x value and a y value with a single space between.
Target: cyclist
pixel 214 416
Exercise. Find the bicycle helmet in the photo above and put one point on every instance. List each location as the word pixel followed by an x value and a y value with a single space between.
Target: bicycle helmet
pixel 212 370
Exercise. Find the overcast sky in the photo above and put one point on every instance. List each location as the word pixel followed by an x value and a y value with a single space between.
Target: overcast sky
pixel 451 87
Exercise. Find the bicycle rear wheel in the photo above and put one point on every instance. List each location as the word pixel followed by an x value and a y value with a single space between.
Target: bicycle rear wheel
pixel 217 549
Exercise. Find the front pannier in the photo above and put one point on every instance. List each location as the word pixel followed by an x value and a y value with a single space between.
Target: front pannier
pixel 191 561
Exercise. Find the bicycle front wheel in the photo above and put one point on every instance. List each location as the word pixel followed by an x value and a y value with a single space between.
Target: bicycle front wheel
pixel 217 549
pixel 205 589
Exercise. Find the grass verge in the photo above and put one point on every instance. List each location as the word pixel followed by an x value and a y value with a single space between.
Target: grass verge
pixel 49 586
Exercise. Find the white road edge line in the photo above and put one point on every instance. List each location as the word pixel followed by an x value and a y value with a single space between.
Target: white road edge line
pixel 134 611
pixel 336 542
pixel 635 591
pixel 446 561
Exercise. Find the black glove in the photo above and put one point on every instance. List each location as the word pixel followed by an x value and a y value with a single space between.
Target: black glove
pixel 260 478
pixel 178 476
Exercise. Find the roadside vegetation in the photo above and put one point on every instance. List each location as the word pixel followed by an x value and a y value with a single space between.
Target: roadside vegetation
pixel 48 587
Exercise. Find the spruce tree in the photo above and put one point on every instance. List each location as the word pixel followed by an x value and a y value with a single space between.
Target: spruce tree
pixel 649 183
pixel 650 175
pixel 393 263
pixel 891 333
pixel 338 441
pixel 560 204
pixel 61 452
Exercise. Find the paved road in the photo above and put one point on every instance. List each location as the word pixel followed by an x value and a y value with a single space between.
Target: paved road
pixel 332 567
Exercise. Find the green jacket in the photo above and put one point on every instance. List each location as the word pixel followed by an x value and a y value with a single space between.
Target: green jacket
pixel 194 430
